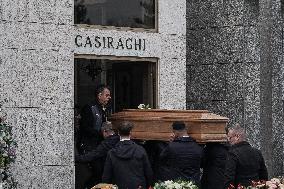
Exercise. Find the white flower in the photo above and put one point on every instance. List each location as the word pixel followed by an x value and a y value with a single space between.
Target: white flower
pixel 141 106
pixel 275 181
pixel 179 184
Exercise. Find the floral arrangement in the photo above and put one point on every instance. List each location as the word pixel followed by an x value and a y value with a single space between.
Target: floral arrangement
pixel 7 153
pixel 144 107
pixel 178 184
pixel 105 186
pixel 275 183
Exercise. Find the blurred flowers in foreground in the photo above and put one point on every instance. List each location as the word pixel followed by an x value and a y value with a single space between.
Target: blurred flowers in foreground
pixel 274 183
pixel 7 153
pixel 178 184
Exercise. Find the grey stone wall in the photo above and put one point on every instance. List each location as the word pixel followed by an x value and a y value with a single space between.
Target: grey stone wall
pixel 36 74
pixel 235 68
pixel 37 50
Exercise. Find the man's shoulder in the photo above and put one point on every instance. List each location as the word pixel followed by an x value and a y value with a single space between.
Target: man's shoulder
pixel 242 147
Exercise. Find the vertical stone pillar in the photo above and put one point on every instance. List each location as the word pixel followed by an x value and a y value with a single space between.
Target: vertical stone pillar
pixel 271 110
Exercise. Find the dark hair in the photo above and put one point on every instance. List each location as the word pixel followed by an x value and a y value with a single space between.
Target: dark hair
pixel 178 126
pixel 124 128
pixel 106 126
pixel 100 89
pixel 237 129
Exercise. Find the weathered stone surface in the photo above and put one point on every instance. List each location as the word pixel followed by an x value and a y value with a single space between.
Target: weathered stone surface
pixel 252 102
pixel 44 136
pixel 37 79
pixel 206 82
pixel 45 176
pixel 249 41
pixel 251 12
pixel 233 12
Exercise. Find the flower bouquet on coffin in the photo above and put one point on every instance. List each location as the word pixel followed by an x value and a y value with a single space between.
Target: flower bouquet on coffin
pixel 144 107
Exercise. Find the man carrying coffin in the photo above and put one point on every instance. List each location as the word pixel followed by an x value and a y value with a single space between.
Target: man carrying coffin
pixel 181 159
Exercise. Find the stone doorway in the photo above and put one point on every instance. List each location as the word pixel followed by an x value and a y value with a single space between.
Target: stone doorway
pixel 132 82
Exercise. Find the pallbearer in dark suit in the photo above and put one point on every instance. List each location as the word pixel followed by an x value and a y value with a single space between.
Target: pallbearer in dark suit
pixel 127 164
pixel 213 164
pixel 97 156
pixel 92 117
pixel 244 163
pixel 181 159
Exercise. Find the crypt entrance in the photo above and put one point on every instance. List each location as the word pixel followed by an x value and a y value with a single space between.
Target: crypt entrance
pixel 132 81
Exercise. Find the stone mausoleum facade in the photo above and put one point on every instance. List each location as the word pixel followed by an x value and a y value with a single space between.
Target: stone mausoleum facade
pixel 220 55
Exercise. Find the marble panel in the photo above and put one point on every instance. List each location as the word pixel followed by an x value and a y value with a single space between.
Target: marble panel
pixel 9 10
pixel 61 37
pixel 42 11
pixel 192 14
pixel 51 59
pixel 232 109
pixel 174 47
pixel 13 34
pixel 1 11
pixel 172 91
pixel 48 36
pixel 173 21
pixel 207 82
pixel 33 11
pixel 277 138
pixel 22 11
pixel 193 47
pixel 251 12
pixel 34 177
pixel 44 137
pixel 54 88
pixel 235 81
pixel 233 12
pixel 24 71
pixel 202 46
pixel 64 13
pixel 210 13
pixel 251 44
pixel 235 111
pixel 252 102
pixel 15 85
pixel 277 113
pixel 216 107
pixel 232 40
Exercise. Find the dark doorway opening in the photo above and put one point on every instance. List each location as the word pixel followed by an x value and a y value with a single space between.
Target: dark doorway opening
pixel 132 82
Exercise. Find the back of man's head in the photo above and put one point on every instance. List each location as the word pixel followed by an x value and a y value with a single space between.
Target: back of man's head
pixel 178 126
pixel 125 128
pixel 238 131
pixel 106 126
pixel 100 88
pixel 179 129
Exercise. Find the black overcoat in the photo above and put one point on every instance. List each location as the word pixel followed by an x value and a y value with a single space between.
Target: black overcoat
pixel 127 166
pixel 213 164
pixel 181 159
pixel 92 117
pixel 244 164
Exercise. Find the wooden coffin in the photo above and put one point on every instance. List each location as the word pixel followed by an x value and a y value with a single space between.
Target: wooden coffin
pixel 155 124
